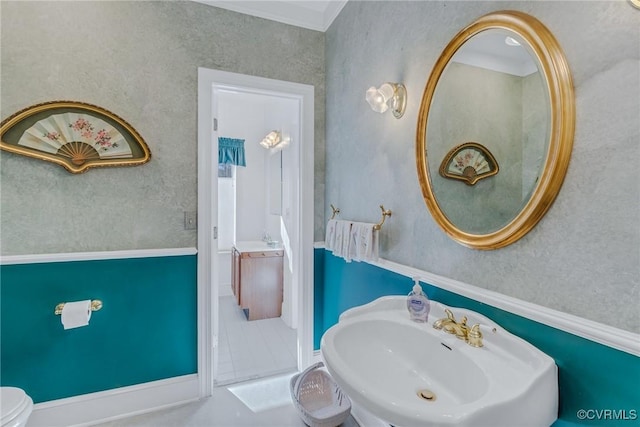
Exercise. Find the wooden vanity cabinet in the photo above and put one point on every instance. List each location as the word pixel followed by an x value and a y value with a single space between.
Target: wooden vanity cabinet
pixel 257 278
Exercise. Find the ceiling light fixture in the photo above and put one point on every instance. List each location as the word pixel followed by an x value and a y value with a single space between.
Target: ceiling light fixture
pixel 272 139
pixel 394 93
pixel 511 41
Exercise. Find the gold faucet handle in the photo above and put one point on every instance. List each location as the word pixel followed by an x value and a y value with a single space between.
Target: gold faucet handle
pixel 474 337
pixel 461 329
pixel 444 322
pixel 449 314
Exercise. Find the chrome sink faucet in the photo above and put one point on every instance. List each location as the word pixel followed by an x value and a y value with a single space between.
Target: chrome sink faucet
pixel 472 336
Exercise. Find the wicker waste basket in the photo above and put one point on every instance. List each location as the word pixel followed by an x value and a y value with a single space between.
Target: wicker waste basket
pixel 318 399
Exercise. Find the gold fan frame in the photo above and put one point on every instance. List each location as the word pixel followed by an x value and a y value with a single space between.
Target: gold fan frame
pixel 469 179
pixel 140 150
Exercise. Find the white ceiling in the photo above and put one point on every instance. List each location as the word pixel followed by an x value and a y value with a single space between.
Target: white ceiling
pixel 489 50
pixel 312 14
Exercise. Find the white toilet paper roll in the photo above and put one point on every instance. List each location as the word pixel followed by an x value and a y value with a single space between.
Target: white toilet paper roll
pixel 76 314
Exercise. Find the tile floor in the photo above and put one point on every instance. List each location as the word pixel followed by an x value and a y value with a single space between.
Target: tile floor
pixel 252 349
pixel 247 350
pixel 260 403
pixel 260 348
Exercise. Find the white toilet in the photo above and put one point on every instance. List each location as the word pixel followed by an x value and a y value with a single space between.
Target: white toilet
pixel 15 407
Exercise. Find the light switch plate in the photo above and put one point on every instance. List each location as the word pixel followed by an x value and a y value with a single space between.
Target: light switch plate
pixel 190 220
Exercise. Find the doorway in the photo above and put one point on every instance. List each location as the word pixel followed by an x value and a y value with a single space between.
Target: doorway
pixel 296 218
pixel 257 202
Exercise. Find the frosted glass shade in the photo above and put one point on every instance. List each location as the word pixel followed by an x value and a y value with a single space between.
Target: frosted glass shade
pixel 377 98
pixel 388 93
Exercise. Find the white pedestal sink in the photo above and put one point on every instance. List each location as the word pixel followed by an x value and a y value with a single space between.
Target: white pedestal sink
pixel 410 374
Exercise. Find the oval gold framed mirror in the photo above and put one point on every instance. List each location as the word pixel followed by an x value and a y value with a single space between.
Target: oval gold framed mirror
pixel 503 84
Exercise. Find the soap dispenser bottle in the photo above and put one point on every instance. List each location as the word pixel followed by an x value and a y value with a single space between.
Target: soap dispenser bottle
pixel 418 303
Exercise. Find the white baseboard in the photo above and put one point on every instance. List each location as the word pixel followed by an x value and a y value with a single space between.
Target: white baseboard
pixel 109 405
pixel 224 290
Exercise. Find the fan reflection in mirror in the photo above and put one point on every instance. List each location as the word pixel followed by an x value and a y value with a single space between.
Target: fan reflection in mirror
pixel 469 162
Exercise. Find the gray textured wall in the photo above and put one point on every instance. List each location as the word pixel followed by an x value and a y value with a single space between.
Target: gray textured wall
pixel 138 60
pixel 583 257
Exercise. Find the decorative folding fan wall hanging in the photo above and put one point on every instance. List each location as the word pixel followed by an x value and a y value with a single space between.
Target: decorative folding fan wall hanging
pixel 469 162
pixel 75 135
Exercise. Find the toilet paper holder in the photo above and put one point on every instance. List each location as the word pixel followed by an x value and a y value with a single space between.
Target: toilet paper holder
pixel 96 305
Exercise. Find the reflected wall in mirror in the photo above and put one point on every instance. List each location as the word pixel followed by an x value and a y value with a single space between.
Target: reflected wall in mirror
pixel 491 92
pixel 503 83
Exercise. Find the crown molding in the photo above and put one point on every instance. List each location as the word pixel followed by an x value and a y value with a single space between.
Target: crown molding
pixel 313 15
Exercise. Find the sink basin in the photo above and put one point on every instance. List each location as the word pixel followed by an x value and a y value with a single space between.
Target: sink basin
pixel 409 374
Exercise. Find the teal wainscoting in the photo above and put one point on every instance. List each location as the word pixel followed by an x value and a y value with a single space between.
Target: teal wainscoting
pixel 591 376
pixel 318 296
pixel 145 331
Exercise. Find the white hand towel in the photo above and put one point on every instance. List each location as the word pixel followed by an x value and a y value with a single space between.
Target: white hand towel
pixel 354 242
pixel 337 239
pixel 346 240
pixel 363 241
pixel 342 236
pixel 371 254
pixel 330 235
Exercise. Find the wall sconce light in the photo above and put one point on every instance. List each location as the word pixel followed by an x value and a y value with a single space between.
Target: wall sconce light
pixel 272 139
pixel 394 93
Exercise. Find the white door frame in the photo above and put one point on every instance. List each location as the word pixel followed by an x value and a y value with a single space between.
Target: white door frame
pixel 302 248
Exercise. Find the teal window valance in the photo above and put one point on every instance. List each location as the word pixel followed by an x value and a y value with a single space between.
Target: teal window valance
pixel 231 151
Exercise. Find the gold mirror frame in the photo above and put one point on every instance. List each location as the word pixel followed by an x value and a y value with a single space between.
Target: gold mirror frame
pixel 75 155
pixel 560 91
